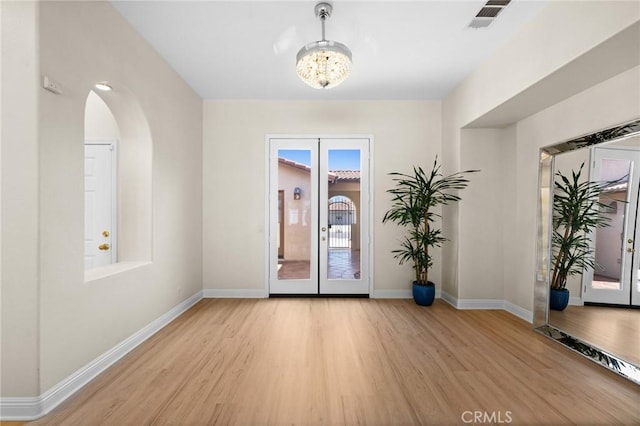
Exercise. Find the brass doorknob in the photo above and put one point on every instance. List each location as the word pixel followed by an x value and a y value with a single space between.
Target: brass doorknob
pixel 105 233
pixel 630 250
pixel 104 246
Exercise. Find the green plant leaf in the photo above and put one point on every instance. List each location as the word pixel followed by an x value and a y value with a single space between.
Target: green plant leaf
pixel 413 200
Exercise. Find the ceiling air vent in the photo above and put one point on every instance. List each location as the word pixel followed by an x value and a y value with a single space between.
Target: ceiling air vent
pixel 488 13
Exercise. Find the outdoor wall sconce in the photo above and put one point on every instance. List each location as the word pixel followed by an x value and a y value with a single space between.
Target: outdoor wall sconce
pixel 297 192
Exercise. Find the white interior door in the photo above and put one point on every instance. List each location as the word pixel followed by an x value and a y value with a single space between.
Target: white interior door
pixel 615 279
pixel 99 204
pixel 319 216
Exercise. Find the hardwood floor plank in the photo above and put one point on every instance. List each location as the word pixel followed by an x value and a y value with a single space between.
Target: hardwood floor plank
pixel 348 361
pixel 613 329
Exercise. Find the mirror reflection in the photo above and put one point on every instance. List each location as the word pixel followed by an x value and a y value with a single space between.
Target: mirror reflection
pixel 602 269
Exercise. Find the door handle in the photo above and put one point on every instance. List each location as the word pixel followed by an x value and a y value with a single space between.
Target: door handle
pixel 104 246
pixel 630 250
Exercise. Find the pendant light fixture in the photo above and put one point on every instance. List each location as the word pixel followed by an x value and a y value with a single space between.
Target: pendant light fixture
pixel 323 64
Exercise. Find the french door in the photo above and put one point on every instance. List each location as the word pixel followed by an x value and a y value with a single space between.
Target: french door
pixel 615 279
pixel 319 223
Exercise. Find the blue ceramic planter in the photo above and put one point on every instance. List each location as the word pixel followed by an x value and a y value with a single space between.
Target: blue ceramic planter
pixel 423 295
pixel 558 299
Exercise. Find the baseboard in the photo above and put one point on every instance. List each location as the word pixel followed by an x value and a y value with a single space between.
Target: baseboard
pixel 224 293
pixel 575 301
pixel 488 304
pixel 518 311
pixel 33 408
pixel 20 409
pixel 480 304
pixel 392 294
pixel 397 294
pixel 453 301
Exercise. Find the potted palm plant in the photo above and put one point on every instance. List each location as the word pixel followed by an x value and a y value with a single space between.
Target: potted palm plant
pixel 414 201
pixel 577 212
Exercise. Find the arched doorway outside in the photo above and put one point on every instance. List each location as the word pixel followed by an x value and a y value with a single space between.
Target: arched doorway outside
pixel 342 216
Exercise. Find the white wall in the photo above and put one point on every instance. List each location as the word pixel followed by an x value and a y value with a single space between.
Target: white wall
pixel 77 320
pixel 405 133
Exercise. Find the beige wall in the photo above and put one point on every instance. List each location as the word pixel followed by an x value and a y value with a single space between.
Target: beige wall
pixel 527 70
pixel 76 321
pixel 20 256
pixel 510 156
pixel 297 213
pixel 481 215
pixel 99 122
pixel 53 322
pixel 611 102
pixel 560 33
pixel 405 133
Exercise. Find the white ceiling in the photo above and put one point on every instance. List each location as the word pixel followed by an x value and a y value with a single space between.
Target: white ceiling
pixel 247 50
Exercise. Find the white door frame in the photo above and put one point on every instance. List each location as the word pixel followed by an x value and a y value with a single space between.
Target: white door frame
pixel 630 263
pixel 294 286
pixel 267 191
pixel 114 193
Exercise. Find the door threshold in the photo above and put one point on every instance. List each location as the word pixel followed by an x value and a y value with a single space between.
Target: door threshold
pixel 611 305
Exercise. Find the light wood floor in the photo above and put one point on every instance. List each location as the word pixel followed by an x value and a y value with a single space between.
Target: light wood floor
pixel 348 361
pixel 616 330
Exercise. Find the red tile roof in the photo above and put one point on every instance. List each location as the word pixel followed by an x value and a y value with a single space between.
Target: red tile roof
pixel 334 175
pixel 346 175
pixel 294 164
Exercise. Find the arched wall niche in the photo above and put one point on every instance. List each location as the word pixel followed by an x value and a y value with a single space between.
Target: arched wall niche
pixel 134 172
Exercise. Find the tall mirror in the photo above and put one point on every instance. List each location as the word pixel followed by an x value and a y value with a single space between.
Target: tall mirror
pixel 587 293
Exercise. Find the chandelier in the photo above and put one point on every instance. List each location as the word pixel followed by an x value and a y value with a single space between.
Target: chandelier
pixel 323 64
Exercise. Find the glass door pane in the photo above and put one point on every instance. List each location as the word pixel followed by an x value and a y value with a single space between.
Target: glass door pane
pixel 293 195
pixel 611 279
pixel 609 245
pixel 343 216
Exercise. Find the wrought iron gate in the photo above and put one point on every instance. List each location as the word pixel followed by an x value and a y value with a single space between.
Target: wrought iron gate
pixel 342 216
